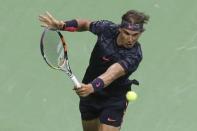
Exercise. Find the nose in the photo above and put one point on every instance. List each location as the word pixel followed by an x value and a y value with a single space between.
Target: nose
pixel 130 39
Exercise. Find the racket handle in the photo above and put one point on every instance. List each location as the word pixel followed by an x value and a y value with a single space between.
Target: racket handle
pixel 76 82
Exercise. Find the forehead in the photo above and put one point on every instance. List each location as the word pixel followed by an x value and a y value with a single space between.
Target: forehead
pixel 130 31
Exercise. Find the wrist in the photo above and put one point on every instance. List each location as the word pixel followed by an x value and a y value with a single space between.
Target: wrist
pixel 91 89
pixel 71 26
pixel 97 84
pixel 60 25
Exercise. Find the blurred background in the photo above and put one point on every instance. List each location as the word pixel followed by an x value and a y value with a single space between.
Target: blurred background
pixel 34 97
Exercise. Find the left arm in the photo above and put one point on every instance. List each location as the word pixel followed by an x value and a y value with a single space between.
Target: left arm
pixel 113 72
pixel 122 67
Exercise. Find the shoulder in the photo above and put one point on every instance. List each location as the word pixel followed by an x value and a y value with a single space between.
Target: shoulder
pixel 103 26
pixel 103 23
pixel 136 48
pixel 135 52
pixel 138 51
pixel 132 58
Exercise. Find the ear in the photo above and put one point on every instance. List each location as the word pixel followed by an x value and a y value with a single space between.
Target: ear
pixel 140 33
pixel 120 29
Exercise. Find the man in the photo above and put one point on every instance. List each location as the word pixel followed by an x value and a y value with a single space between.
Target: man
pixel 116 55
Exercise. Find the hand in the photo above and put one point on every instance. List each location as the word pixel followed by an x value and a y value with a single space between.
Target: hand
pixel 85 90
pixel 48 21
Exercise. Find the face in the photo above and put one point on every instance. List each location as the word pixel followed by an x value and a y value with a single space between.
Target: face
pixel 127 38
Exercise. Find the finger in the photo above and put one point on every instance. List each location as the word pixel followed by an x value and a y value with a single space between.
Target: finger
pixel 41 18
pixel 44 19
pixel 75 88
pixel 83 95
pixel 49 15
pixel 81 92
pixel 78 91
pixel 44 24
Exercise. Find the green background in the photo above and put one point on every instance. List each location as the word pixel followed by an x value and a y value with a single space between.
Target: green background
pixel 34 97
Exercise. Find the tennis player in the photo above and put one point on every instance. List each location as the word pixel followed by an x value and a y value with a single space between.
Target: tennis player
pixel 116 55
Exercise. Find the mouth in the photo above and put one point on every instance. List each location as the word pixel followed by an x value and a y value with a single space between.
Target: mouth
pixel 129 45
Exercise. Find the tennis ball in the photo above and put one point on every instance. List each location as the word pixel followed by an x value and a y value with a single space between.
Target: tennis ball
pixel 131 96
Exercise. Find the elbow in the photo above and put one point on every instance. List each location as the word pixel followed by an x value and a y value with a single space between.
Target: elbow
pixel 83 24
pixel 87 24
pixel 115 75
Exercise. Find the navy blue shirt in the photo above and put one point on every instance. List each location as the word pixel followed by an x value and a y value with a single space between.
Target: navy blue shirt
pixel 105 53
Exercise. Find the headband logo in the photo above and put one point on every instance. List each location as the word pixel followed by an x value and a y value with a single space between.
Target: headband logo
pixel 133 27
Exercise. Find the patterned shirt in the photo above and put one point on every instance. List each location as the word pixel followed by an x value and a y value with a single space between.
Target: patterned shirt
pixel 105 53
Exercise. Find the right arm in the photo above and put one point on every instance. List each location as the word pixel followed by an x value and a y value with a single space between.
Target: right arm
pixel 83 25
pixel 47 20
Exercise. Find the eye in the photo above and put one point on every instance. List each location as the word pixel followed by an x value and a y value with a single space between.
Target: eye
pixel 135 34
pixel 127 33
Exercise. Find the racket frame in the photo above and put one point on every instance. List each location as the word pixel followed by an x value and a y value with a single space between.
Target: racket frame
pixel 65 67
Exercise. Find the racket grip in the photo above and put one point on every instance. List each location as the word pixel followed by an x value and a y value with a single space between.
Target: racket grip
pixel 76 82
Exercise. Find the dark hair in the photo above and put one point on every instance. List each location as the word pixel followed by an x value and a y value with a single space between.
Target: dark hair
pixel 135 17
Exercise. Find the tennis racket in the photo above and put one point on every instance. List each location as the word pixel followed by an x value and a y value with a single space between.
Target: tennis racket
pixel 54 51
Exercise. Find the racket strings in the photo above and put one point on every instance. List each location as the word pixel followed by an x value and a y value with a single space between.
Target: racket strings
pixel 53 48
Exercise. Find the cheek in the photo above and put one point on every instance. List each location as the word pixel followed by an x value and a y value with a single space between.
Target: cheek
pixel 125 37
pixel 121 37
pixel 136 37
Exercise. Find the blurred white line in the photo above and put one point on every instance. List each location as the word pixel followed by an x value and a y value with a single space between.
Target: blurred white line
pixel 192 48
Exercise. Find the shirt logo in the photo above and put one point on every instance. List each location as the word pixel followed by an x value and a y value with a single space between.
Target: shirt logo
pixel 105 58
pixel 111 120
pixel 98 84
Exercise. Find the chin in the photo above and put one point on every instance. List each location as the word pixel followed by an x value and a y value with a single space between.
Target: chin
pixel 130 46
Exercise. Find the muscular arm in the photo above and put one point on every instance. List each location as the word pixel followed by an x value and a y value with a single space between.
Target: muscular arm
pixel 47 20
pixel 83 25
pixel 113 72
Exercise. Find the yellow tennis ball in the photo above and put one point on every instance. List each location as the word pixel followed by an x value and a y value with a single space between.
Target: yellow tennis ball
pixel 131 96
